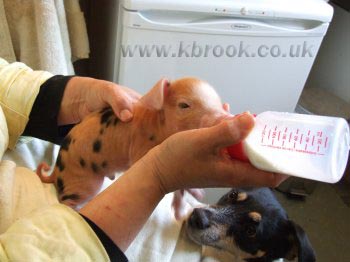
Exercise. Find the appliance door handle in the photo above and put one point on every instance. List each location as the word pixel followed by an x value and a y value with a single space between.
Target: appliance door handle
pixel 208 23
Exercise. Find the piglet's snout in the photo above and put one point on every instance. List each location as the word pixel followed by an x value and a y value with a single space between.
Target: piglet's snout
pixel 213 119
pixel 199 218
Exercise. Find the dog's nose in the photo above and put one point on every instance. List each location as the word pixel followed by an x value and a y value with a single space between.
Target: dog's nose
pixel 199 219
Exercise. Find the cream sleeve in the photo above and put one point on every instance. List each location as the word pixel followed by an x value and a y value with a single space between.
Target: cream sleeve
pixel 35 227
pixel 55 233
pixel 19 86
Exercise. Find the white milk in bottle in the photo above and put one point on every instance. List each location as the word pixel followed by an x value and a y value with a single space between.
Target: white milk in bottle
pixel 308 146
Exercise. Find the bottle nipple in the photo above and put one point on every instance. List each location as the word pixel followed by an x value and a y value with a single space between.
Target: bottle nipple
pixel 237 152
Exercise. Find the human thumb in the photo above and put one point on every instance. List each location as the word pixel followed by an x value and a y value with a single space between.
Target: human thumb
pixel 230 131
pixel 122 107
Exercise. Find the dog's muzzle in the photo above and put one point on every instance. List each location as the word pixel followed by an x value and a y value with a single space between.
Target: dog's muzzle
pixel 199 219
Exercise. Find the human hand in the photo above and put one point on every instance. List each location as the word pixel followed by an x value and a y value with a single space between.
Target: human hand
pixel 199 158
pixel 84 95
pixel 188 159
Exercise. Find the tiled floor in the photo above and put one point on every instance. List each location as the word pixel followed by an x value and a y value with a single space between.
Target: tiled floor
pixel 325 216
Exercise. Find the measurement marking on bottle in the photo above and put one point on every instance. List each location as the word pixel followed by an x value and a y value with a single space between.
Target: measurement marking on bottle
pixel 263 134
pixel 298 139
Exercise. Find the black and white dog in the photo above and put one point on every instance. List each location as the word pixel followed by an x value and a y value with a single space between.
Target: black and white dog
pixel 251 225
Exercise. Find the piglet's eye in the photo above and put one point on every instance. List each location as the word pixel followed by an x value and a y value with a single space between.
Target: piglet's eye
pixel 183 105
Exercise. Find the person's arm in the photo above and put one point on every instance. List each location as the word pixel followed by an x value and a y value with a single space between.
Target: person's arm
pixel 44 106
pixel 64 100
pixel 19 86
pixel 43 121
pixel 123 208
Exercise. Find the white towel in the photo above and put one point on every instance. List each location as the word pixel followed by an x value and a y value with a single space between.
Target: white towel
pixel 158 238
pixel 30 152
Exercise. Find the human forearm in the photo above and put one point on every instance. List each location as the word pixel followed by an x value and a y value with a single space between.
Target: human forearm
pixel 43 119
pixel 123 208
pixel 19 86
pixel 192 158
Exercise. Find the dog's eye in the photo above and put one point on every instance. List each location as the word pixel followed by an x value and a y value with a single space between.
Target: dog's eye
pixel 183 105
pixel 251 231
pixel 233 196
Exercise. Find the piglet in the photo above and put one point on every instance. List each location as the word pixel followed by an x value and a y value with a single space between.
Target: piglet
pixel 102 145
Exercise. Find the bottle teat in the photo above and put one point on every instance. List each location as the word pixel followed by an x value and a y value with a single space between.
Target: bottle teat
pixel 237 152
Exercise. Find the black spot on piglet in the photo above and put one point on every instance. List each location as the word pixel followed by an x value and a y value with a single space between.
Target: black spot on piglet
pixel 59 163
pixel 71 196
pixel 95 167
pixel 104 164
pixel 66 142
pixel 96 146
pixel 106 115
pixel 116 120
pixel 82 162
pixel 60 185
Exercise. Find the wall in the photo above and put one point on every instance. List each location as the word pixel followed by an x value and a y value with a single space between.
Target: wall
pixel 331 70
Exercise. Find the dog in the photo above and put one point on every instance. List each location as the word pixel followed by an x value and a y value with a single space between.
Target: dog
pixel 248 224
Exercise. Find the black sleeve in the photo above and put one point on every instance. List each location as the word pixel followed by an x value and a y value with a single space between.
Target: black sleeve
pixel 113 251
pixel 43 117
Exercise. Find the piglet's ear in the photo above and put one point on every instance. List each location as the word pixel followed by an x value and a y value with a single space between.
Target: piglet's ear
pixel 155 97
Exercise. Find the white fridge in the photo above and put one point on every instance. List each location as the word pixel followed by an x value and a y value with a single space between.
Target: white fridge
pixel 257 54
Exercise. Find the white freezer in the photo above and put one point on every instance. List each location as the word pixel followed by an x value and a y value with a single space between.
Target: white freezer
pixel 257 54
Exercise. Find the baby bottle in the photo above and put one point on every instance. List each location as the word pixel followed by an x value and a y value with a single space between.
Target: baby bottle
pixel 308 146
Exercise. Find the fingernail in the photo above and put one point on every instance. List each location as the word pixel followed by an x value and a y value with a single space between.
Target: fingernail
pixel 243 118
pixel 245 121
pixel 125 115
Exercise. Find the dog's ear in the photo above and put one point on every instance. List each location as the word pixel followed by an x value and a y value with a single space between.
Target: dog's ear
pixel 301 246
